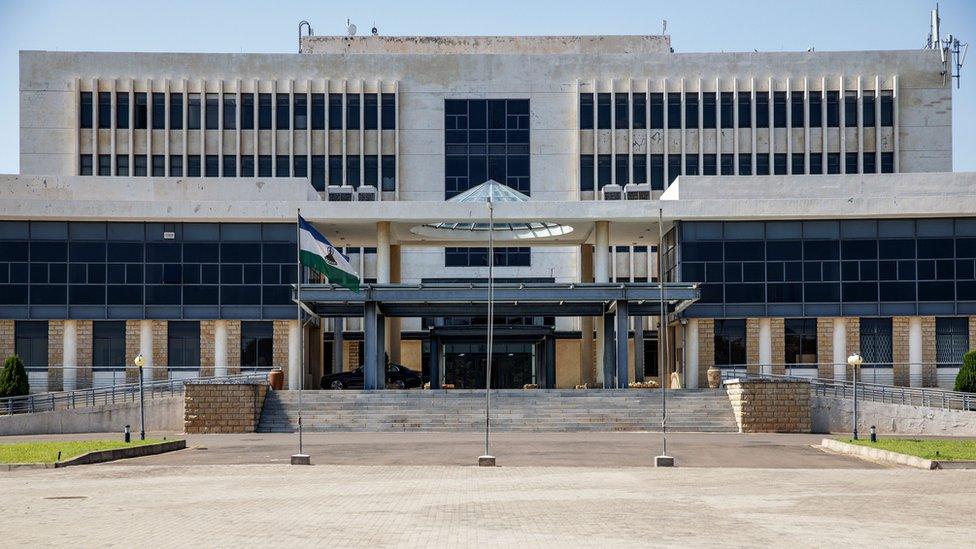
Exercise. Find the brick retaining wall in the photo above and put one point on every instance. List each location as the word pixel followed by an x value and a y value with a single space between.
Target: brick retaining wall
pixel 223 407
pixel 767 406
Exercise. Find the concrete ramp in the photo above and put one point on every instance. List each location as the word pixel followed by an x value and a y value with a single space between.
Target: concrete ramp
pixel 694 410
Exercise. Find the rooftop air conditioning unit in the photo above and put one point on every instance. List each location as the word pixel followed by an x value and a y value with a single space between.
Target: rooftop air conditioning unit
pixel 638 191
pixel 611 192
pixel 366 193
pixel 340 193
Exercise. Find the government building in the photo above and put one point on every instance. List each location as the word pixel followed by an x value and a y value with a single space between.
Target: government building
pixel 799 206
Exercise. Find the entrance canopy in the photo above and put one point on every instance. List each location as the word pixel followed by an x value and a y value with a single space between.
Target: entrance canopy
pixel 522 299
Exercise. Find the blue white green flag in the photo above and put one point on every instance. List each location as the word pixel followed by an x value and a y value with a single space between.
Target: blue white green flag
pixel 317 253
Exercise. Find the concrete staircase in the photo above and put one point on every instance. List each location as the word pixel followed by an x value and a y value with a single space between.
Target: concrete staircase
pixel 699 410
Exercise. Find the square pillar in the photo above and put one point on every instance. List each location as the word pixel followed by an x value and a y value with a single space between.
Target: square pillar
pixel 621 330
pixel 903 370
pixel 639 348
pixel 337 344
pixel 434 366
pixel 706 349
pixel 825 347
pixel 550 343
pixel 371 379
pixel 55 355
pixel 930 373
pixel 609 350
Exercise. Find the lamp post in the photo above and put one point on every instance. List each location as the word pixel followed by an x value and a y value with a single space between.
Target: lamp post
pixel 854 361
pixel 140 362
pixel 488 460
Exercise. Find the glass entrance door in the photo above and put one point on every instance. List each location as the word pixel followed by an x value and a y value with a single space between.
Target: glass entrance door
pixel 514 365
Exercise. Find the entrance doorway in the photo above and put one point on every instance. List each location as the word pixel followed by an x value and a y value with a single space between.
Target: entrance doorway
pixel 513 365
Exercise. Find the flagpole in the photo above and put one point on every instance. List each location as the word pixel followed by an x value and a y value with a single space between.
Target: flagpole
pixel 487 459
pixel 301 458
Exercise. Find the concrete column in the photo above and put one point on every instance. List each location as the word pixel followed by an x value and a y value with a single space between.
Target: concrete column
pixel 383 252
pixel 765 346
pixel 840 348
pixel 393 324
pixel 294 356
pixel 371 333
pixel 621 331
pixel 691 353
pixel 146 347
pixel 337 343
pixel 601 273
pixel 220 348
pixel 914 350
pixel 69 358
pixel 586 322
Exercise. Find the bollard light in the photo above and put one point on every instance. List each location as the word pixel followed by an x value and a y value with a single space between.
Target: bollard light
pixel 128 435
pixel 874 434
pixel 854 361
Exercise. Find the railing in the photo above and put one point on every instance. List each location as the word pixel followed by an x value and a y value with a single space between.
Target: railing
pixel 116 393
pixel 867 391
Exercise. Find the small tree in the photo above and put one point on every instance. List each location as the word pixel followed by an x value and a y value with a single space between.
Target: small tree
pixel 966 378
pixel 13 378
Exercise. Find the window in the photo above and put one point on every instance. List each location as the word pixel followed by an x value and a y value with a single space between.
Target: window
pixel 352 111
pixel 478 257
pixel 586 172
pixel 603 170
pixel 104 164
pixel 816 109
pixel 727 109
pixel 282 168
pixel 850 109
pixel 158 165
pixel 708 110
pixel 370 111
pixel 779 109
pixel 230 111
pixel 850 162
pixel 674 110
pixel 193 165
pixel 282 116
pixel 887 108
pixel 335 169
pixel 640 111
pixel 833 109
pixel 726 167
pixel 257 344
pixel 176 111
pixel 318 173
pixel 868 163
pixel 691 110
pixel 796 116
pixel 762 164
pixel 352 171
pixel 85 164
pixel 730 342
pixel 108 344
pixel 212 114
pixel 318 111
pixel 140 168
pixel 264 165
pixel 745 110
pixel 105 110
pixel 264 111
pixel 621 111
pixel 388 107
pixel 299 165
pixel 140 111
pixel 887 162
pixel 183 349
pixel 122 110
pixel 388 172
pixel 230 165
pixel 639 169
pixel 833 163
pixel 657 111
pixel 801 340
pixel 603 111
pixel 709 165
pixel 159 111
pixel 876 341
pixel 176 166
pixel 868 114
pixel 30 343
pixel 797 166
pixel 85 110
pixel 301 111
pixel 335 111
pixel 247 111
pixel 193 111
pixel 621 170
pixel 486 139
pixel 816 164
pixel 370 170
pixel 674 167
pixel 691 164
pixel 762 110
pixel 951 340
pixel 122 165
pixel 745 164
pixel 211 165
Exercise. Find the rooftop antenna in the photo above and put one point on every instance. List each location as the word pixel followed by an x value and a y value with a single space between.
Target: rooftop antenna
pixel 664 30
pixel 301 24
pixel 374 31
pixel 350 28
pixel 952 52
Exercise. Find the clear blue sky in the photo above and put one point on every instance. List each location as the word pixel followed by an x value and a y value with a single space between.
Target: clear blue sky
pixel 270 26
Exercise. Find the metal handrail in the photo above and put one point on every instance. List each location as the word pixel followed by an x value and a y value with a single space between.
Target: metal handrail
pixel 867 391
pixel 114 394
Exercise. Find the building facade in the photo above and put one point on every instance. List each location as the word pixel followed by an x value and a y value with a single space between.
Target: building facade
pixel 155 207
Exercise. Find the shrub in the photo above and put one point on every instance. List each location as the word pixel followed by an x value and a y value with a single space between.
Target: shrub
pixel 13 378
pixel 966 378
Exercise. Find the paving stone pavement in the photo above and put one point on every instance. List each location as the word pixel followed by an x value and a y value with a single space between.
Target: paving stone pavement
pixel 438 506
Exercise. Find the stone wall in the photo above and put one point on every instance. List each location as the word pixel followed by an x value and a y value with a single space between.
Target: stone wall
pixel 85 349
pixel 825 347
pixel 233 346
pixel 766 406
pixel 752 345
pixel 7 339
pixel 223 408
pixel 853 342
pixel 777 329
pixel 899 350
pixel 160 349
pixel 930 376
pixel 55 355
pixel 132 346
pixel 207 348
pixel 706 349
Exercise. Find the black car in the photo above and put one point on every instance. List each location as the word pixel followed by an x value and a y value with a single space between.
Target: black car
pixel 397 377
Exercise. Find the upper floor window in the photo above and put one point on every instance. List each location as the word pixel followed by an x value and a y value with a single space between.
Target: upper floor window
pixel 213 111
pixel 762 110
pixel 603 111
pixel 158 110
pixel 264 111
pixel 370 112
pixel 816 109
pixel 887 108
pixel 796 107
pixel 388 110
pixel 726 109
pixel 282 116
pixel 867 108
pixel 301 112
pixel 621 110
pixel 104 110
pixel 247 111
pixel 691 110
pixel 193 113
pixel 640 111
pixel 708 110
pixel 230 111
pixel 85 109
pixel 352 112
pixel 657 111
pixel 478 257
pixel 176 111
pixel 141 111
pixel 779 109
pixel 122 110
pixel 486 139
pixel 674 111
pixel 833 109
pixel 335 111
pixel 318 111
pixel 745 110
pixel 850 109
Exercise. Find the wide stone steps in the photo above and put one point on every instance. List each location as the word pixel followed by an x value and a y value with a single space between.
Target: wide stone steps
pixel 701 410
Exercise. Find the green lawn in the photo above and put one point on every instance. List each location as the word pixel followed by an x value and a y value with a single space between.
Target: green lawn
pixel 936 449
pixel 47 452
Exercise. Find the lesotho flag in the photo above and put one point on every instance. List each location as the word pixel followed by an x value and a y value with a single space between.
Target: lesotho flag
pixel 317 253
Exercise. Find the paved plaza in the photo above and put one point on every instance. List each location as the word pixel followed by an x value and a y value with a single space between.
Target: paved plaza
pixel 435 506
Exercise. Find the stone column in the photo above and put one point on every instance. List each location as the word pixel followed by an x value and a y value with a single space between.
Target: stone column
pixel 601 273
pixel 902 368
pixel 930 373
pixel 85 350
pixel 160 349
pixel 383 252
pixel 208 347
pixel 839 357
pixel 915 351
pixel 706 349
pixel 7 346
pixel 691 353
pixel 133 347
pixel 853 345
pixel 765 346
pixel 220 348
pixel 777 331
pixel 752 345
pixel 69 357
